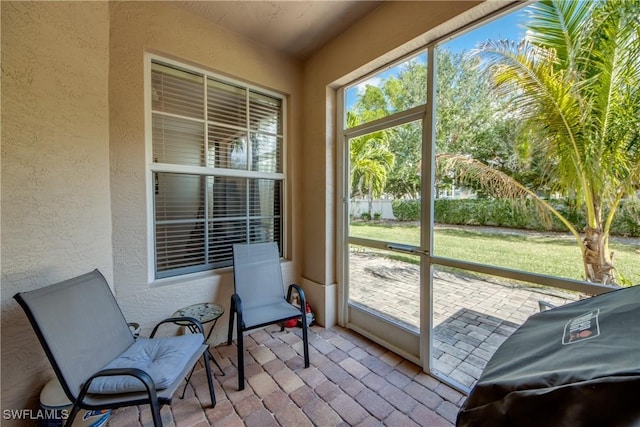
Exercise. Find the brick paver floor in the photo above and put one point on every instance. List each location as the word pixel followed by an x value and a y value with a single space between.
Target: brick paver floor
pixel 351 382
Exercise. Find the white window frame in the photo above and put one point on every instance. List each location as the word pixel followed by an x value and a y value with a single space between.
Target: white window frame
pixel 151 167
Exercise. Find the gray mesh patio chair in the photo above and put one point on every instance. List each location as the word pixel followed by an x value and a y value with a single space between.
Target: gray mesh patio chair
pixel 94 354
pixel 259 296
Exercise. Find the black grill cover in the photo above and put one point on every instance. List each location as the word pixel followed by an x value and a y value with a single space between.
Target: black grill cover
pixel 576 365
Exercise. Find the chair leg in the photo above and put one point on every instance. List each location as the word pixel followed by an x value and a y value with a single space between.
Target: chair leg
pixel 305 340
pixel 303 318
pixel 155 412
pixel 207 367
pixel 232 312
pixel 240 342
pixel 217 364
pixel 72 415
pixel 184 390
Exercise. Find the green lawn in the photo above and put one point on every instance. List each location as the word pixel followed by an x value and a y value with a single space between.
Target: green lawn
pixel 556 256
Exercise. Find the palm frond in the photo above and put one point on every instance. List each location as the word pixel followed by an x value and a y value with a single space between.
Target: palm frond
pixel 558 25
pixel 547 99
pixel 500 185
pixel 611 65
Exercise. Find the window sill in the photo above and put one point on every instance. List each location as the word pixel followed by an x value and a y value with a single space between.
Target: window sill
pixel 168 281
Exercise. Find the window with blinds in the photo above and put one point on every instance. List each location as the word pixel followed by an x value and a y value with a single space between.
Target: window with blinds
pixel 218 179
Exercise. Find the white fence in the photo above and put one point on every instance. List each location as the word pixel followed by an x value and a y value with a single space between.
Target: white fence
pixel 382 207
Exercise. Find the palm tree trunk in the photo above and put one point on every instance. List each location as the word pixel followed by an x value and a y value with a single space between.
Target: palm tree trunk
pixel 598 262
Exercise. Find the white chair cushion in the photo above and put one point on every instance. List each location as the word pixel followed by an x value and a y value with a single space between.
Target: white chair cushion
pixel 162 358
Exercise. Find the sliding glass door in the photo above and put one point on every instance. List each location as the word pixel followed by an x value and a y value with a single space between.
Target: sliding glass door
pixel 384 256
pixel 383 248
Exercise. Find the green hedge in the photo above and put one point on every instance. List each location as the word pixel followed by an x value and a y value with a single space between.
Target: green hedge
pixel 504 213
pixel 406 210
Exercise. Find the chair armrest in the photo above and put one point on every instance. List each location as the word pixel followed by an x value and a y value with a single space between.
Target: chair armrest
pixel 303 302
pixel 236 307
pixel 145 378
pixel 174 320
pixel 237 301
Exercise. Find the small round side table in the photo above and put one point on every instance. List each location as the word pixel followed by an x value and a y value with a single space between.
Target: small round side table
pixel 203 312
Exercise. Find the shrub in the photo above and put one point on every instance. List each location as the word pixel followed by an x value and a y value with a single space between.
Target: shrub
pixel 406 210
pixel 505 213
pixel 627 222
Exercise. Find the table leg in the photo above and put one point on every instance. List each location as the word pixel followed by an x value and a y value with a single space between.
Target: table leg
pixel 216 362
pixel 194 329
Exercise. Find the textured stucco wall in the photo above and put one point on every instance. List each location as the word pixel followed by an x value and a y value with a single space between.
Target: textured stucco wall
pixel 73 165
pixel 164 29
pixel 56 214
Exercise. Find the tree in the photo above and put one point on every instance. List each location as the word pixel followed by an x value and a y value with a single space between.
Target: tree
pixel 575 83
pixel 403 91
pixel 470 120
pixel 370 161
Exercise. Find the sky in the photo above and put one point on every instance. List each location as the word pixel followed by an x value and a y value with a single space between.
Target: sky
pixel 506 27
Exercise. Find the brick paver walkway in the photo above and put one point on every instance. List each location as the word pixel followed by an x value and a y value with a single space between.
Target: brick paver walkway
pixel 472 317
pixel 351 382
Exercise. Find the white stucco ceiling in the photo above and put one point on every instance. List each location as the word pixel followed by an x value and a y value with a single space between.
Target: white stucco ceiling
pixel 297 28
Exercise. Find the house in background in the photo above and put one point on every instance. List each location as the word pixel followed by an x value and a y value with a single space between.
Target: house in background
pixel 75 144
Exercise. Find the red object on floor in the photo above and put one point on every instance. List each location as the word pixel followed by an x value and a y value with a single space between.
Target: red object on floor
pixel 291 323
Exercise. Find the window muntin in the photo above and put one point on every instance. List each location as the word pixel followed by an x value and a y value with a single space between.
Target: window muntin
pixel 217 168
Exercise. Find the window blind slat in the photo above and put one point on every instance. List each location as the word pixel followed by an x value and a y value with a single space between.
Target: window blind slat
pixel 179 246
pixel 197 218
pixel 265 113
pixel 177 141
pixel 222 237
pixel 227 148
pixel 178 196
pixel 177 91
pixel 265 197
pixel 226 104
pixel 228 197
pixel 266 153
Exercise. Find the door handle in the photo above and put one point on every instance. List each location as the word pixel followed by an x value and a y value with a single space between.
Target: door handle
pixel 407 249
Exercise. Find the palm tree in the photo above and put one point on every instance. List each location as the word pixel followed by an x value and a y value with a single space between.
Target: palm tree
pixel 575 82
pixel 371 161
